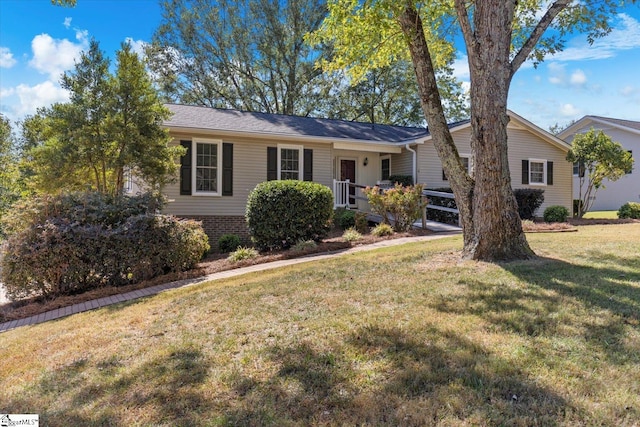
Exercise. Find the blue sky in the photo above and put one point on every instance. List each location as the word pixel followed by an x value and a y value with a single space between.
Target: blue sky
pixel 39 41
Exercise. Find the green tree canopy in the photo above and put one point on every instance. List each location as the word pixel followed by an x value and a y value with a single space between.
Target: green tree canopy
pixel 113 123
pixel 598 158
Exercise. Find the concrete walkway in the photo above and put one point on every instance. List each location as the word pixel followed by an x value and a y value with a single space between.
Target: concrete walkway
pixel 153 290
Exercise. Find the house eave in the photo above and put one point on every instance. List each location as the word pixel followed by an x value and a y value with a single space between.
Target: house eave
pixel 342 144
pixel 591 119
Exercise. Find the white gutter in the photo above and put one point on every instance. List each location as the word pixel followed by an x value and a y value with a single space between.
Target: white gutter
pixel 415 162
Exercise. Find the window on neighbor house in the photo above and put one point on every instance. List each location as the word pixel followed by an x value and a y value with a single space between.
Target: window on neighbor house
pixel 289 162
pixel 631 168
pixel 206 173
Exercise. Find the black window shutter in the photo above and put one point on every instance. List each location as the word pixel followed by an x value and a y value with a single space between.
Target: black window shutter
pixel 227 169
pixel 308 165
pixel 272 163
pixel 185 170
pixel 549 173
pixel 525 171
pixel 444 176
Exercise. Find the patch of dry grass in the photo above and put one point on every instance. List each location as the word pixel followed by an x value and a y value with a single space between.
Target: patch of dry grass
pixel 400 336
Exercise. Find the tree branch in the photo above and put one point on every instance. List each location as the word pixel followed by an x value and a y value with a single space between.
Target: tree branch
pixel 544 23
pixel 465 25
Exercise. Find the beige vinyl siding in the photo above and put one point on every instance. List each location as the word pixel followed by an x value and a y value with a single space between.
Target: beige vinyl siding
pixel 249 169
pixel 402 164
pixel 523 145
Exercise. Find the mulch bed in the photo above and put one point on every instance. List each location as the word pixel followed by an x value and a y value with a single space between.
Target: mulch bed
pixel 213 263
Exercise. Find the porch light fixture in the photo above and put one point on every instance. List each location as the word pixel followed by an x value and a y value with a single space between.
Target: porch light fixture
pixel 366 161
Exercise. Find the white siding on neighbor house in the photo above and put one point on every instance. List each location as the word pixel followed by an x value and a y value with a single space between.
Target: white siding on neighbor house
pixel 523 145
pixel 249 169
pixel 627 188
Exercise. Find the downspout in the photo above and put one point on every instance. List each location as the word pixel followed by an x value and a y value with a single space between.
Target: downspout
pixel 415 162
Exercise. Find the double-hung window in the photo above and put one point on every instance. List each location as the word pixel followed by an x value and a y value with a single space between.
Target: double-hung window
pixel 207 170
pixel 385 168
pixel 290 162
pixel 537 172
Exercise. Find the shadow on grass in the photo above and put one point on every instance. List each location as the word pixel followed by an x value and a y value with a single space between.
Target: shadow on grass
pixel 91 393
pixel 600 302
pixel 417 381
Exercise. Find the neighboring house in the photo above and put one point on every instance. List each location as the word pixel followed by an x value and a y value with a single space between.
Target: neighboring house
pixel 627 133
pixel 229 152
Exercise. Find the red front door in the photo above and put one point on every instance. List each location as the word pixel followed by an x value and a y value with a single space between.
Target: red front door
pixel 348 171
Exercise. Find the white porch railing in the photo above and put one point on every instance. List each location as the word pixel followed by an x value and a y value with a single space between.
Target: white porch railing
pixel 340 194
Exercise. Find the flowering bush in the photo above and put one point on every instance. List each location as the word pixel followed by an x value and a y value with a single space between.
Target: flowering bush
pixel 399 206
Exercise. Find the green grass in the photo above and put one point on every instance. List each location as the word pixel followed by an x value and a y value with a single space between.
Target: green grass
pixel 400 336
pixel 601 215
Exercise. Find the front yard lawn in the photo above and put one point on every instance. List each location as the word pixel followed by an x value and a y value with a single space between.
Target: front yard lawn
pixel 406 335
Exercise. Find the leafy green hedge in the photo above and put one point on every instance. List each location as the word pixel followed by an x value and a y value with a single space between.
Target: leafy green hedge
pixel 281 213
pixel 629 210
pixel 71 245
pixel 555 213
pixel 529 200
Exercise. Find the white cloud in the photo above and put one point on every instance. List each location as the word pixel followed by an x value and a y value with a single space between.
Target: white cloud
pixel 5 93
pixel 624 36
pixel 557 74
pixel 137 46
pixel 461 68
pixel 578 78
pixel 629 90
pixel 40 95
pixel 53 56
pixel 569 110
pixel 6 58
pixel 67 22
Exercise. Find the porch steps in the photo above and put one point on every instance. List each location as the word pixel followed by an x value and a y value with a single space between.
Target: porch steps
pixel 436 227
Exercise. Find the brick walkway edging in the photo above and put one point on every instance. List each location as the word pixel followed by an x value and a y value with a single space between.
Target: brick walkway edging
pixel 153 290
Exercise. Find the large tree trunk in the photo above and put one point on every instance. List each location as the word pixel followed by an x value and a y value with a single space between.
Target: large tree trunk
pixel 488 210
pixel 498 231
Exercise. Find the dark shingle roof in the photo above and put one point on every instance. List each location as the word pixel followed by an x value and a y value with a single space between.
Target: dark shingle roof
pixel 627 123
pixel 198 117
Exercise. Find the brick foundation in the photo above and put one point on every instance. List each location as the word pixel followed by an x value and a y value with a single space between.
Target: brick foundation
pixel 216 226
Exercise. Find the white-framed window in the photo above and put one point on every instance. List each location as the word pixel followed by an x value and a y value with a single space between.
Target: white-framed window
pixel 537 172
pixel 385 167
pixel 207 170
pixel 290 161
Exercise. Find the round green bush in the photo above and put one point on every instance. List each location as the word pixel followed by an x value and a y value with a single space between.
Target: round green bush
pixel 280 213
pixel 228 243
pixel 345 218
pixel 629 210
pixel 556 213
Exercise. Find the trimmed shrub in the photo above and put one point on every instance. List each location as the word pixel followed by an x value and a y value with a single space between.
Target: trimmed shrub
pixel 303 245
pixel 344 218
pixel 629 210
pixel 280 213
pixel 243 253
pixel 404 180
pixel 402 204
pixel 555 213
pixel 361 222
pixel 529 200
pixel 351 235
pixel 442 216
pixel 228 243
pixel 382 230
pixel 65 251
